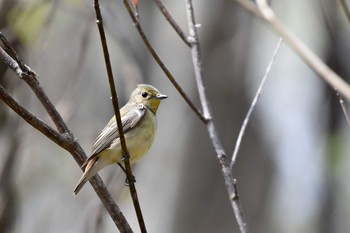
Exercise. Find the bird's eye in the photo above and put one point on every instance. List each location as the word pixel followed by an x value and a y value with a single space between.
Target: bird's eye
pixel 144 94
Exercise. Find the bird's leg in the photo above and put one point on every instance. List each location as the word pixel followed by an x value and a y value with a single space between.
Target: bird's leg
pixel 126 179
pixel 125 156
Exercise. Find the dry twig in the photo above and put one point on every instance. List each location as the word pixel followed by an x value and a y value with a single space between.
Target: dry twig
pixel 252 106
pixel 63 137
pixel 125 152
pixel 220 152
pixel 264 12
pixel 172 22
pixel 160 63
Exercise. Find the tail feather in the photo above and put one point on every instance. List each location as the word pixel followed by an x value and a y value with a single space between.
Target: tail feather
pixel 79 186
pixel 91 169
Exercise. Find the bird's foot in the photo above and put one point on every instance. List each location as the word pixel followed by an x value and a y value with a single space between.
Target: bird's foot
pixel 125 157
pixel 127 182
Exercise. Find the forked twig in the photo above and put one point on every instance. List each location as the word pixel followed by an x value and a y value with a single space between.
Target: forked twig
pixel 31 79
pixel 220 152
pixel 64 139
pixel 160 63
pixel 252 106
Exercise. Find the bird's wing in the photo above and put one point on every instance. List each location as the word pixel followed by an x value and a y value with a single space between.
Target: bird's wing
pixel 110 132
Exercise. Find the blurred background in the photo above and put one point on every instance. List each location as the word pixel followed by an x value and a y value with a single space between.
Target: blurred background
pixel 292 169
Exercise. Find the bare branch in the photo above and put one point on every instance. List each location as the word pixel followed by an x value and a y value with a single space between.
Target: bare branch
pixel 31 119
pixel 252 106
pixel 31 79
pixel 65 139
pixel 11 52
pixel 172 22
pixel 220 153
pixel 161 64
pixel 238 209
pixel 313 61
pixel 8 60
pixel 125 152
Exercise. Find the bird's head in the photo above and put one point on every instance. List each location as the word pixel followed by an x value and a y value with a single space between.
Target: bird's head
pixel 148 96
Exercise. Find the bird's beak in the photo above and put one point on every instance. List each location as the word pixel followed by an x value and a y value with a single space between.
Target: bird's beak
pixel 161 97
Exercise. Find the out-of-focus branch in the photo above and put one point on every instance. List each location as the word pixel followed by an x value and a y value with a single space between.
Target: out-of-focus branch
pixel 304 52
pixel 252 106
pixel 64 138
pixel 160 63
pixel 342 104
pixel 172 22
pixel 220 152
pixel 125 152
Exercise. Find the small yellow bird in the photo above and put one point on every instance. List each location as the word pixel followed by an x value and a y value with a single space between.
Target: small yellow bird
pixel 138 118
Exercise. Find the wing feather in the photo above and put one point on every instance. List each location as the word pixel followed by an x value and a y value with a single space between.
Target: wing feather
pixel 110 132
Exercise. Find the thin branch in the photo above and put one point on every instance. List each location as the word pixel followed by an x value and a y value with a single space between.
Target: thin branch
pixel 125 152
pixel 11 52
pixel 313 61
pixel 31 119
pixel 77 153
pixel 342 104
pixel 238 209
pixel 172 22
pixel 196 57
pixel 65 140
pixel 115 102
pixel 31 79
pixel 161 64
pixel 8 60
pixel 221 155
pixel 110 205
pixel 252 106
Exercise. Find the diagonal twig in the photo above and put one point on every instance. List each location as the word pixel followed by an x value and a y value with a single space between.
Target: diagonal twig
pixel 172 22
pixel 161 64
pixel 31 79
pixel 31 119
pixel 220 152
pixel 10 62
pixel 253 104
pixel 314 62
pixel 118 118
pixel 65 140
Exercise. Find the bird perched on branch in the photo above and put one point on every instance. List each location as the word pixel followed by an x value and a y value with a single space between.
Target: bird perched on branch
pixel 138 118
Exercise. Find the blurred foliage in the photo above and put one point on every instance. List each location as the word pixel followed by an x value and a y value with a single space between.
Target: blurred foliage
pixel 27 21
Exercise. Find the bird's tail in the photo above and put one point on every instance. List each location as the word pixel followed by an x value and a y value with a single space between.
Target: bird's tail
pixel 92 167
pixel 80 184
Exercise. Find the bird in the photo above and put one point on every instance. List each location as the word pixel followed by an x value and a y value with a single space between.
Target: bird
pixel 138 117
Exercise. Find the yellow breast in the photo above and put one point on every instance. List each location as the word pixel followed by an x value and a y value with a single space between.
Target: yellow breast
pixel 138 140
pixel 141 137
